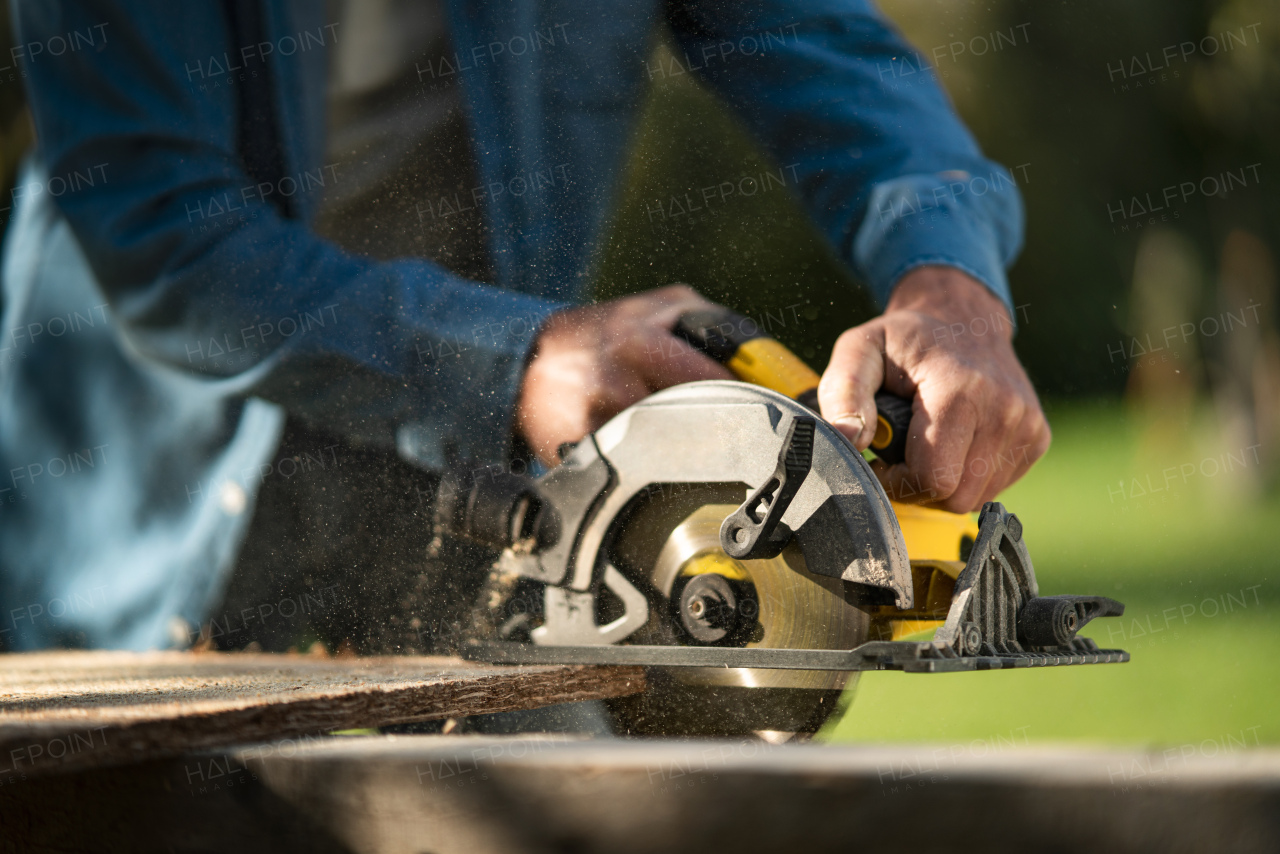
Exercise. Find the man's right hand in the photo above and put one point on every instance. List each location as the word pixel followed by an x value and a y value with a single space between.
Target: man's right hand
pixel 590 363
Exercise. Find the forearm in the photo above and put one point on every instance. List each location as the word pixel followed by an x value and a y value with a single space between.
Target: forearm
pixel 269 309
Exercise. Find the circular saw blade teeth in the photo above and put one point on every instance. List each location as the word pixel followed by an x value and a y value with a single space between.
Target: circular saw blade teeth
pixel 794 609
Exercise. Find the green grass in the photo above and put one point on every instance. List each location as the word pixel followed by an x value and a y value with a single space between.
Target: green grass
pixel 1195 566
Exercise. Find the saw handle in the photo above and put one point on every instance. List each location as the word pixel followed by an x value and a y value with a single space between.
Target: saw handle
pixel 740 345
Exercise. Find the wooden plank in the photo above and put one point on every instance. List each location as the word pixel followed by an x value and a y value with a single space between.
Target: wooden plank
pixel 486 794
pixel 66 710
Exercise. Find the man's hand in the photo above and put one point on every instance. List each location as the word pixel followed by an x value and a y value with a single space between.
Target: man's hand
pixel 591 363
pixel 943 342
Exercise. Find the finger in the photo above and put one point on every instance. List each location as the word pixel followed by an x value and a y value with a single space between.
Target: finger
pixel 620 390
pixel 1024 434
pixel 686 363
pixel 1001 468
pixel 661 358
pixel 1033 439
pixel 846 394
pixel 665 305
pixel 942 431
pixel 893 481
pixel 668 361
pixel 901 484
pixel 979 467
pixel 1003 471
pixel 988 460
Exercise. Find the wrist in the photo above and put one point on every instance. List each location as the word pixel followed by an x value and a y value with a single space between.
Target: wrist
pixel 950 296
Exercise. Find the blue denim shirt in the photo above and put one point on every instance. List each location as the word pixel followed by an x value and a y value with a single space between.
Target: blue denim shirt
pixel 165 303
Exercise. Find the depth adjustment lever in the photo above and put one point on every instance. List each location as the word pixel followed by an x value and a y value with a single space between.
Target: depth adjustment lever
pixel 755 530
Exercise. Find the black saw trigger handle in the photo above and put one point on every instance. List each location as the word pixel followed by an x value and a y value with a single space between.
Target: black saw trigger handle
pixel 727 336
pixel 755 531
pixel 893 417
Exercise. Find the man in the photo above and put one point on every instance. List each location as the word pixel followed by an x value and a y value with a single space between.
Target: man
pixel 268 380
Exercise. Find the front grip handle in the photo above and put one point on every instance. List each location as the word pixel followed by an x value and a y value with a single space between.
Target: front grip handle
pixel 739 344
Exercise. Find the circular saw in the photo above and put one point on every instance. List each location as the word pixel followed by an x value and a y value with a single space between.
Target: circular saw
pixel 727 537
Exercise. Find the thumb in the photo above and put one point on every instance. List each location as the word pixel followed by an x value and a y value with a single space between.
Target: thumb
pixel 849 384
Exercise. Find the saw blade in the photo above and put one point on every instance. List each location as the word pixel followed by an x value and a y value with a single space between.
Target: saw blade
pixel 674 536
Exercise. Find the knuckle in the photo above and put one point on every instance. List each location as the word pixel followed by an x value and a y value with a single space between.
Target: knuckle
pixel 850 339
pixel 984 387
pixel 1035 433
pixel 1016 408
pixel 681 291
pixel 832 387
pixel 1044 437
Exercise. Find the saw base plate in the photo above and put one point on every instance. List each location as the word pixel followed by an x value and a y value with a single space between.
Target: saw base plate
pixel 876 655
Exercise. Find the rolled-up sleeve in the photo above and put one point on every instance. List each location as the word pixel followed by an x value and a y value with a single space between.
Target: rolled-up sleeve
pixel 207 277
pixel 880 159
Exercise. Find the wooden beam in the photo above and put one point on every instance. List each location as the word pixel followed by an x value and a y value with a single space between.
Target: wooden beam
pixel 486 794
pixel 67 710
